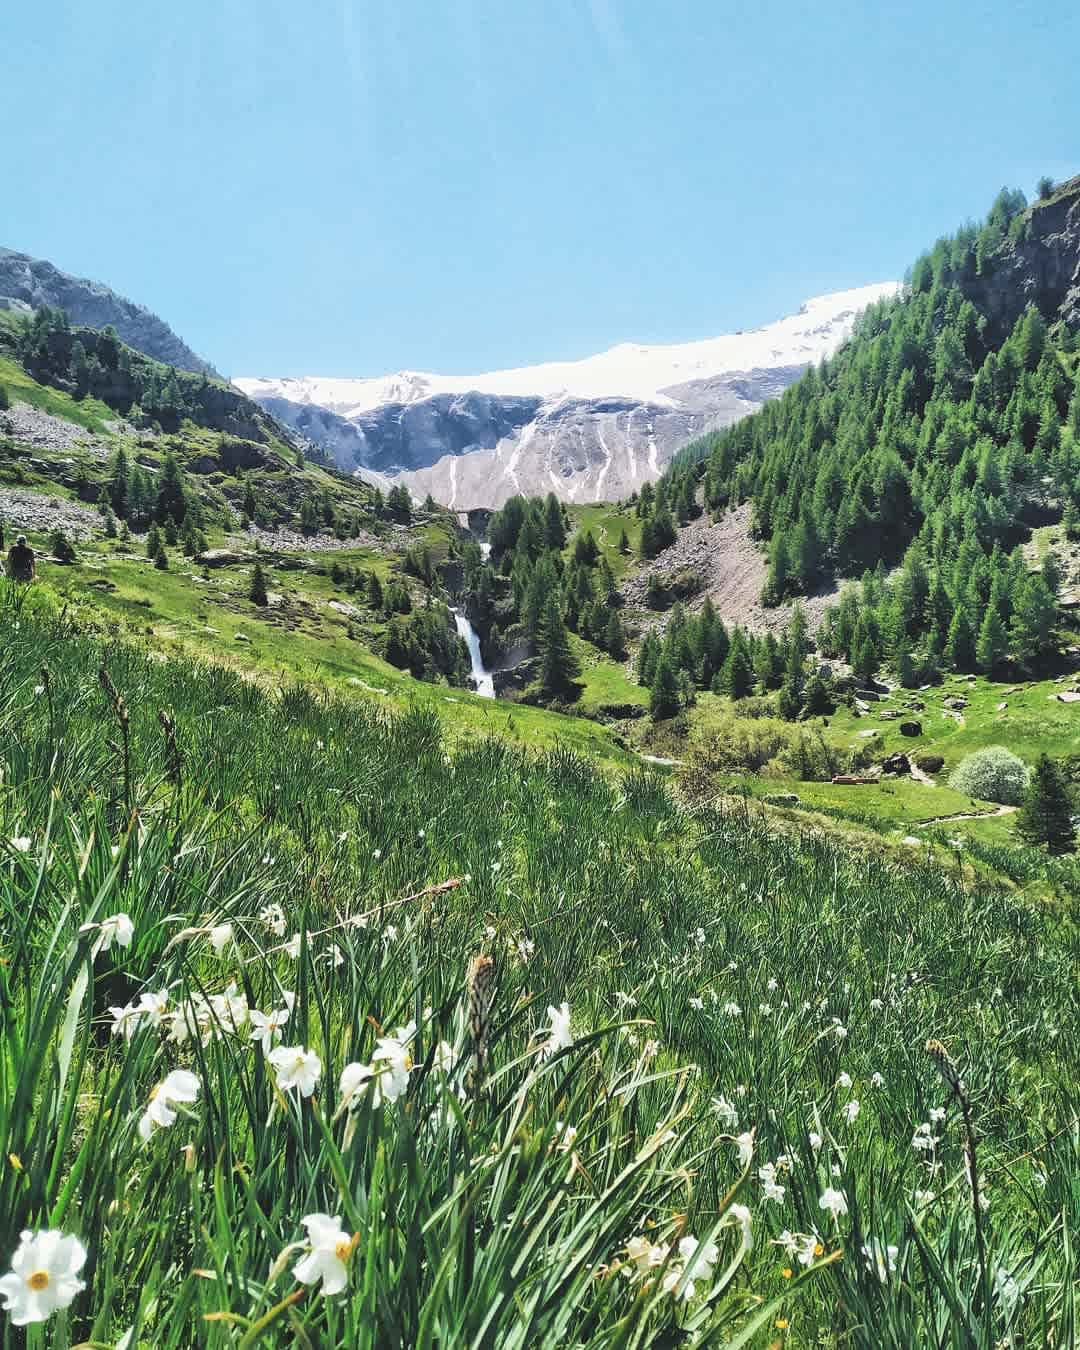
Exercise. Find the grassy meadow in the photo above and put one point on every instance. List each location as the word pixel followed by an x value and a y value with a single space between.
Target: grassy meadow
pixel 322 1024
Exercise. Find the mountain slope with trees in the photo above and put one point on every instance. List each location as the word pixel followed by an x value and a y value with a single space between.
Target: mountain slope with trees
pixel 934 442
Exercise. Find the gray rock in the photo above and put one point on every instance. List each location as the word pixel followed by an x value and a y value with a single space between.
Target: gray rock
pixel 34 282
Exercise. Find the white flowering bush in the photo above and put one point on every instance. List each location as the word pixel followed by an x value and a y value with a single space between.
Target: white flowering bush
pixel 993 775
pixel 343 1036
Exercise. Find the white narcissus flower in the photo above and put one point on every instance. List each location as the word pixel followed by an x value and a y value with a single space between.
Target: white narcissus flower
pixel 292 947
pixel 179 1088
pixel 880 1260
pixel 645 1254
pixel 844 1081
pixel 559 1037
pixel 266 1028
pixel 788 1241
pixel 851 1111
pixel 726 1114
pixel 745 1144
pixel 773 1190
pixel 329 1249
pixel 150 1008
pixel 834 1201
pixel 444 1057
pixel 274 918
pixel 296 1068
pixel 221 935
pixel 704 1256
pixel 21 843
pixel 815 1140
pixel 154 1006
pixel 354 1081
pixel 739 1216
pixel 44 1276
pixel 116 928
pixel 811 1247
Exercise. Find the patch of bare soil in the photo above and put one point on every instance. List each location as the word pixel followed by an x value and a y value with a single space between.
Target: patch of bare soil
pixel 733 568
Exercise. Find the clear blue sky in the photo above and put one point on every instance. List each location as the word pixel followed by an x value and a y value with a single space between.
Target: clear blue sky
pixel 346 187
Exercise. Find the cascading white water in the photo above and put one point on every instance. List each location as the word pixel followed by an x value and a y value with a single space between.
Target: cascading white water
pixel 485 684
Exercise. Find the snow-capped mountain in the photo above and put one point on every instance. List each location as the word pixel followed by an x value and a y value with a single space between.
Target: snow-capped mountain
pixel 589 430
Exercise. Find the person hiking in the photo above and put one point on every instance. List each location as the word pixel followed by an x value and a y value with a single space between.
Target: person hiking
pixel 21 562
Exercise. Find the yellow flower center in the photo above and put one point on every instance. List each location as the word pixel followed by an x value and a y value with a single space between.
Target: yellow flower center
pixel 818 1249
pixel 39 1281
pixel 344 1249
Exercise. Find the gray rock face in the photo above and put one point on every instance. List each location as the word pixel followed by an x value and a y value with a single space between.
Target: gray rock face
pixel 1042 269
pixel 477 449
pixel 33 282
pixel 593 429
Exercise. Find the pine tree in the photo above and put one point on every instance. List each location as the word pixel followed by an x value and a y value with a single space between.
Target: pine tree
pixel 817 698
pixel 257 589
pixel 153 542
pixel 5 404
pixel 664 701
pixel 558 665
pixel 615 637
pixel 1046 816
pixel 624 542
pixel 1033 629
pixel 161 560
pixel 737 676
pixel 655 594
pixel 992 647
pixel 171 498
pixel 554 524
pixel 960 643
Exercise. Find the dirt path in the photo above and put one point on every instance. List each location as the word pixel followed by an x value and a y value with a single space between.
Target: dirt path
pixel 967 815
pixel 921 777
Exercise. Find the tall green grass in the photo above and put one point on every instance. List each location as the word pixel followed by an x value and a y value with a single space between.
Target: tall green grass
pixel 721 982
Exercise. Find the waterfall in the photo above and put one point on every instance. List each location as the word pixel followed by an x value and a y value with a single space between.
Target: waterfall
pixel 485 685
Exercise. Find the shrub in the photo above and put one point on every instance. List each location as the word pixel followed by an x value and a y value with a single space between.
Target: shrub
pixel 993 775
pixel 63 550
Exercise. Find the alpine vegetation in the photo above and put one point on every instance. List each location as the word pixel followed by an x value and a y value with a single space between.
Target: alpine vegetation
pixel 317 1029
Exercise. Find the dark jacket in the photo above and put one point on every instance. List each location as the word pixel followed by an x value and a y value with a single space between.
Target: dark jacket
pixel 20 563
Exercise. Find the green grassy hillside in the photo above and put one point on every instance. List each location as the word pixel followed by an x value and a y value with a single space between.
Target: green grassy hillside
pixel 740 1058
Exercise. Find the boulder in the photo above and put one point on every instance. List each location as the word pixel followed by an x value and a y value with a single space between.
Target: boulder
pixel 870 695
pixel 781 799
pixel 930 763
pixel 220 557
pixel 911 728
pixel 955 703
pixel 897 763
pixel 241 637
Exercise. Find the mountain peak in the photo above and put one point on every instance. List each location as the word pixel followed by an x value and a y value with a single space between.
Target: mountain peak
pixel 586 429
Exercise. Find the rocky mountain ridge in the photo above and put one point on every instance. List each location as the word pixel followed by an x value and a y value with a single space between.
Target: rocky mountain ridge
pixel 588 430
pixel 29 283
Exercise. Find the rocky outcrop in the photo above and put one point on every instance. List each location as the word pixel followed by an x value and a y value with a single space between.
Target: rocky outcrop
pixel 1041 268
pixel 33 282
